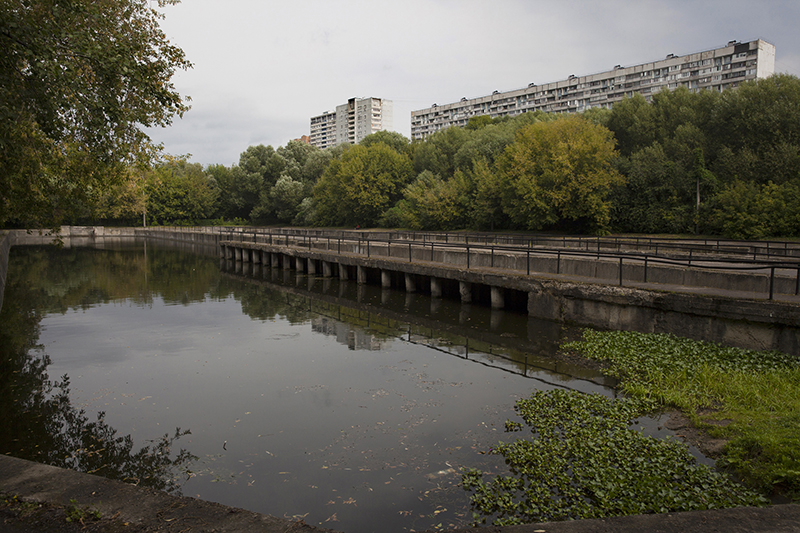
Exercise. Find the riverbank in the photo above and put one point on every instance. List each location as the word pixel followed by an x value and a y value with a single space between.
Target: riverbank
pixel 39 498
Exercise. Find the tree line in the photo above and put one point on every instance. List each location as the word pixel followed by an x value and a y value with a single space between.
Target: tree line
pixel 706 162
pixel 79 82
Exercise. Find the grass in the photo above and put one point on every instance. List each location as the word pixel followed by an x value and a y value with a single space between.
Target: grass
pixel 749 398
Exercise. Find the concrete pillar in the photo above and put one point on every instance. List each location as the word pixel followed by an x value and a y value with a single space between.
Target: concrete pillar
pixel 287 262
pixel 495 316
pixel 312 266
pixel 276 260
pixel 498 300
pixel 256 270
pixel 436 287
pixel 238 254
pixel 465 290
pixel 222 251
pixel 300 264
pixel 245 255
pixel 326 269
pixel 342 272
pixel 409 300
pixel 326 284
pixel 360 292
pixel 386 279
pixel 361 275
pixel 410 285
pixel 257 256
pixel 436 304
pixel 385 293
pixel 265 258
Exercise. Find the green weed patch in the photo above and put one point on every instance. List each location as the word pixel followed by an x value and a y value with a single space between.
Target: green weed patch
pixel 750 398
pixel 583 461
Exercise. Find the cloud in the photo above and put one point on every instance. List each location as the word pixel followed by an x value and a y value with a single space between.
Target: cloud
pixel 263 69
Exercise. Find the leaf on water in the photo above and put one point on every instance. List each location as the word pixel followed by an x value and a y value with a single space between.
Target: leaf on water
pixel 332 518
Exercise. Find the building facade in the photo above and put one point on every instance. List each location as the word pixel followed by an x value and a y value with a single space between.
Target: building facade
pixel 718 69
pixel 351 122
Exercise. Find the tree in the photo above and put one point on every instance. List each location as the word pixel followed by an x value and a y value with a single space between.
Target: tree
pixel 79 80
pixel 560 172
pixel 358 187
pixel 179 191
pixel 396 141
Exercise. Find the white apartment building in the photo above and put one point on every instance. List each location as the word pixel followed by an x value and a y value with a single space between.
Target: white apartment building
pixel 718 69
pixel 351 122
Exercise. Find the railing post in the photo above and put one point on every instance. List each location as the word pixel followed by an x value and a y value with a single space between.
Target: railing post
pixel 492 265
pixel 620 271
pixel 797 282
pixel 771 281
pixel 409 251
pixel 645 268
pixel 528 260
pixel 558 263
pixel 340 246
pixel 467 257
pixel 367 247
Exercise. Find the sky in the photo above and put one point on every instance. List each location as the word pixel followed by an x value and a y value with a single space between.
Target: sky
pixel 263 68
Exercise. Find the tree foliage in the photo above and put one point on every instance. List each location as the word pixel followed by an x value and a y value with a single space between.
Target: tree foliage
pixel 79 80
pixel 559 171
pixel 358 187
pixel 179 191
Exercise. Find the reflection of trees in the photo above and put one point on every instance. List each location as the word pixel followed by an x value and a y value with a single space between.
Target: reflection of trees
pixel 39 422
pixel 262 303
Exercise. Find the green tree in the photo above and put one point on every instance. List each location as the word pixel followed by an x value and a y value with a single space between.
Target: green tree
pixel 560 172
pixel 358 187
pixel 431 203
pixel 79 80
pixel 179 191
pixel 437 153
pixel 396 141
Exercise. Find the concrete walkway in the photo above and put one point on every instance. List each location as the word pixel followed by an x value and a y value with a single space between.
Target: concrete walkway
pixel 126 508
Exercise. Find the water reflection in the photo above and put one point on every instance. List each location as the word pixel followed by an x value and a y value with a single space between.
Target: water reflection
pixel 40 422
pixel 363 316
pixel 351 406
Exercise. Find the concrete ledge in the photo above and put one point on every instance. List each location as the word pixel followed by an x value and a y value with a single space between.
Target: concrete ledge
pixel 147 509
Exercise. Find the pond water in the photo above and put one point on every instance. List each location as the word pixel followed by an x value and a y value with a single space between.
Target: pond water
pixel 351 407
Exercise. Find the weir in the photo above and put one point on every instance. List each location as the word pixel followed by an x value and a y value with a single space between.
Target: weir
pixel 707 314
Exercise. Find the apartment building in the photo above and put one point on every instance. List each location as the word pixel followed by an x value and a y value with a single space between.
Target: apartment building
pixel 718 69
pixel 351 122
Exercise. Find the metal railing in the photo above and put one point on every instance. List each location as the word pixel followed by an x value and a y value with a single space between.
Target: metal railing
pixel 778 258
pixel 369 244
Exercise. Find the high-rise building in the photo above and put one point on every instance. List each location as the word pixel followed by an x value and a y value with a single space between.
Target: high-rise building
pixel 718 69
pixel 351 122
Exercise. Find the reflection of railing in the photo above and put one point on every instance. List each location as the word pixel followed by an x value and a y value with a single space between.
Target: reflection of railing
pixel 479 351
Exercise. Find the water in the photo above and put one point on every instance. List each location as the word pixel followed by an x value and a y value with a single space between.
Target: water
pixel 348 406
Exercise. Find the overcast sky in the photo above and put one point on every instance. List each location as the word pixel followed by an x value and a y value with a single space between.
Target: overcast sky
pixel 263 68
